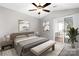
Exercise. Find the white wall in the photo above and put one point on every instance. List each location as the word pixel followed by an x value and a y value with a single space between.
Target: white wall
pixel 58 15
pixel 48 34
pixel 9 21
pixel 75 20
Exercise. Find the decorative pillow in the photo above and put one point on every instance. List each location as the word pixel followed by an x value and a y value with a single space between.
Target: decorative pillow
pixel 31 35
pixel 36 33
pixel 21 36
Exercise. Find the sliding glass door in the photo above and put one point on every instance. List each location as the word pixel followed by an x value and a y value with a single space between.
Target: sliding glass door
pixel 68 22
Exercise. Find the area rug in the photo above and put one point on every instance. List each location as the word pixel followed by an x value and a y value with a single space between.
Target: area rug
pixel 68 51
pixel 58 48
pixel 9 52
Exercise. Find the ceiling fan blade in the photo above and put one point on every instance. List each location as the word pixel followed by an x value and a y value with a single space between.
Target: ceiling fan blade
pixel 45 5
pixel 34 4
pixel 32 9
pixel 46 10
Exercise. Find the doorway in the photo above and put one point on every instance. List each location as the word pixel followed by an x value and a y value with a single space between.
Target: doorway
pixel 59 34
pixel 68 22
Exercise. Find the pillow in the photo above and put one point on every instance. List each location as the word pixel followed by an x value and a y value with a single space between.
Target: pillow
pixel 30 35
pixel 21 36
pixel 36 33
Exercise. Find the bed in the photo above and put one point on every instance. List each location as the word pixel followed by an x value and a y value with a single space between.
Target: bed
pixel 23 44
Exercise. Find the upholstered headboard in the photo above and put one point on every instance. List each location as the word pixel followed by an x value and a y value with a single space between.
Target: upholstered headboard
pixel 13 35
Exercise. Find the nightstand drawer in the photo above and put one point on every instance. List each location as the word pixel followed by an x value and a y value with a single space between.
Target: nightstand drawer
pixel 6 46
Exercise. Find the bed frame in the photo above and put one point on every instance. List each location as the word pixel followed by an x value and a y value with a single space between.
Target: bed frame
pixel 13 35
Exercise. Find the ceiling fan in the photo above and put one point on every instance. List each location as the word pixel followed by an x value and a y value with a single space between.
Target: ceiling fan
pixel 40 7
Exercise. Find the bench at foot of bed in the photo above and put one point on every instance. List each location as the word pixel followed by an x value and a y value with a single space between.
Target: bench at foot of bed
pixel 37 50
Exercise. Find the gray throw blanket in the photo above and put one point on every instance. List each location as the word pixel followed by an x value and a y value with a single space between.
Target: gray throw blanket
pixel 26 44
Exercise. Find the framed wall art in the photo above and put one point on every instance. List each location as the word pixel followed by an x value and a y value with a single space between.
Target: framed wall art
pixel 46 26
pixel 23 25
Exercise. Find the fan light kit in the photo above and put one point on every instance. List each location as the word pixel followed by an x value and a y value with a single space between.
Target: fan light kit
pixel 40 7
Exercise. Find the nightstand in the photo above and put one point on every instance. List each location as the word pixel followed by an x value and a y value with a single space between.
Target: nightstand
pixel 6 44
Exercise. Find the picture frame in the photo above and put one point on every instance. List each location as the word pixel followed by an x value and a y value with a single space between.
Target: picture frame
pixel 46 26
pixel 23 25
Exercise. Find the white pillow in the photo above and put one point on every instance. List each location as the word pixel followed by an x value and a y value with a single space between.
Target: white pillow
pixel 21 36
pixel 30 35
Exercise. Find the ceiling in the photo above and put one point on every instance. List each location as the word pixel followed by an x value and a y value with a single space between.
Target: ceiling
pixel 24 7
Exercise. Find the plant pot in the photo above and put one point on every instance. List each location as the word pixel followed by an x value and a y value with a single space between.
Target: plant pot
pixel 73 45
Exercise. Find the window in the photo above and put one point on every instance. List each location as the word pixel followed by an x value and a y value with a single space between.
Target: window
pixel 60 26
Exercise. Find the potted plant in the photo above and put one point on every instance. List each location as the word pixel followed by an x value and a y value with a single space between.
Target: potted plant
pixel 72 33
